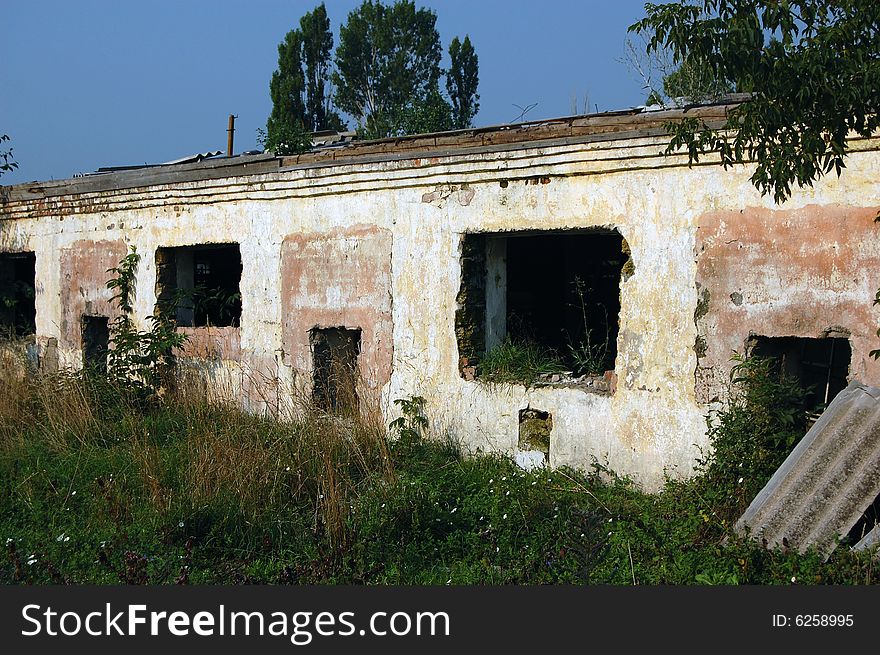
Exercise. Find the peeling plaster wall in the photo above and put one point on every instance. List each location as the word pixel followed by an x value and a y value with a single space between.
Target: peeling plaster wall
pixel 84 264
pixel 333 245
pixel 339 278
pixel 805 272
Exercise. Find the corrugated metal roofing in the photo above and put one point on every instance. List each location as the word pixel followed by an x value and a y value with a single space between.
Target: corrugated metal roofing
pixel 831 477
pixel 189 159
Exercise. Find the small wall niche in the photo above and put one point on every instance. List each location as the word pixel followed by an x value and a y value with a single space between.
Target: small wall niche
pixel 335 354
pixel 533 445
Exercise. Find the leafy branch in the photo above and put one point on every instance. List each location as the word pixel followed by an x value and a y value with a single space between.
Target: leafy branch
pixel 140 360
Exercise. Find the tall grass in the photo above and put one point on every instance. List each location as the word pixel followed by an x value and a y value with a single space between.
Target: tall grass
pixel 226 476
pixel 100 487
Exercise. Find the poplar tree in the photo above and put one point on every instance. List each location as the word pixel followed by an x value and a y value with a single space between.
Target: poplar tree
pixel 388 70
pixel 462 81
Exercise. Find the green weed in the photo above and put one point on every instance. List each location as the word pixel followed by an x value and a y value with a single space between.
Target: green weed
pixel 518 362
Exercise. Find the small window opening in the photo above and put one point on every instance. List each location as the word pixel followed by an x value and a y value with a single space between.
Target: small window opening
pixel 551 299
pixel 202 283
pixel 821 366
pixel 334 368
pixel 95 343
pixel 17 294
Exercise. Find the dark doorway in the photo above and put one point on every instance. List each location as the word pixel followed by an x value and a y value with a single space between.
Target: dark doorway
pixel 335 364
pixel 95 343
pixel 17 293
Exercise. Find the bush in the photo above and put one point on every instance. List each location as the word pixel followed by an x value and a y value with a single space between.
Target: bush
pixel 753 436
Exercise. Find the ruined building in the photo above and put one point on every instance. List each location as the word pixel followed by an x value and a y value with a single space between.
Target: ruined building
pixel 408 259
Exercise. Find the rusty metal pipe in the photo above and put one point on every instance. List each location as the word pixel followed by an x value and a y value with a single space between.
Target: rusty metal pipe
pixel 230 135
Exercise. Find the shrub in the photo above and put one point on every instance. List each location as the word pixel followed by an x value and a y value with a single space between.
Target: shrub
pixel 142 361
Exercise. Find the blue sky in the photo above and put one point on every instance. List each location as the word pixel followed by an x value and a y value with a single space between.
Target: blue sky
pixel 92 83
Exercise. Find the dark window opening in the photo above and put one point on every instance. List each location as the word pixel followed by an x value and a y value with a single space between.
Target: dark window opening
pixel 335 368
pixel 551 294
pixel 821 366
pixel 201 283
pixel 95 343
pixel 867 521
pixel 17 294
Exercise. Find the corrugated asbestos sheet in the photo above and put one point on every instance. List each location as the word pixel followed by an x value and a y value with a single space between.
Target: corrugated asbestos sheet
pixel 831 477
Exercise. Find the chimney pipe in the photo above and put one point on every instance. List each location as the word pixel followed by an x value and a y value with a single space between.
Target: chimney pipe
pixel 230 135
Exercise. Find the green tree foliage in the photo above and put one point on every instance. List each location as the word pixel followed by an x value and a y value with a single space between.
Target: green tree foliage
pixel 8 163
pixel 317 47
pixel 285 129
pixel 388 70
pixel 429 114
pixel 299 88
pixel 694 81
pixel 462 81
pixel 812 67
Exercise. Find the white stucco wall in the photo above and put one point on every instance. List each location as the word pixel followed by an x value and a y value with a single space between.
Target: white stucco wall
pixel 651 425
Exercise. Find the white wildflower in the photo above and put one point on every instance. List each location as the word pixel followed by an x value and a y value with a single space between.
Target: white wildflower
pixel 504 517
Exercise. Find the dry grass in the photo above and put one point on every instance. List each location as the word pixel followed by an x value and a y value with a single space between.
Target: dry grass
pixel 192 450
pixel 297 454
pixel 14 391
pixel 61 406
